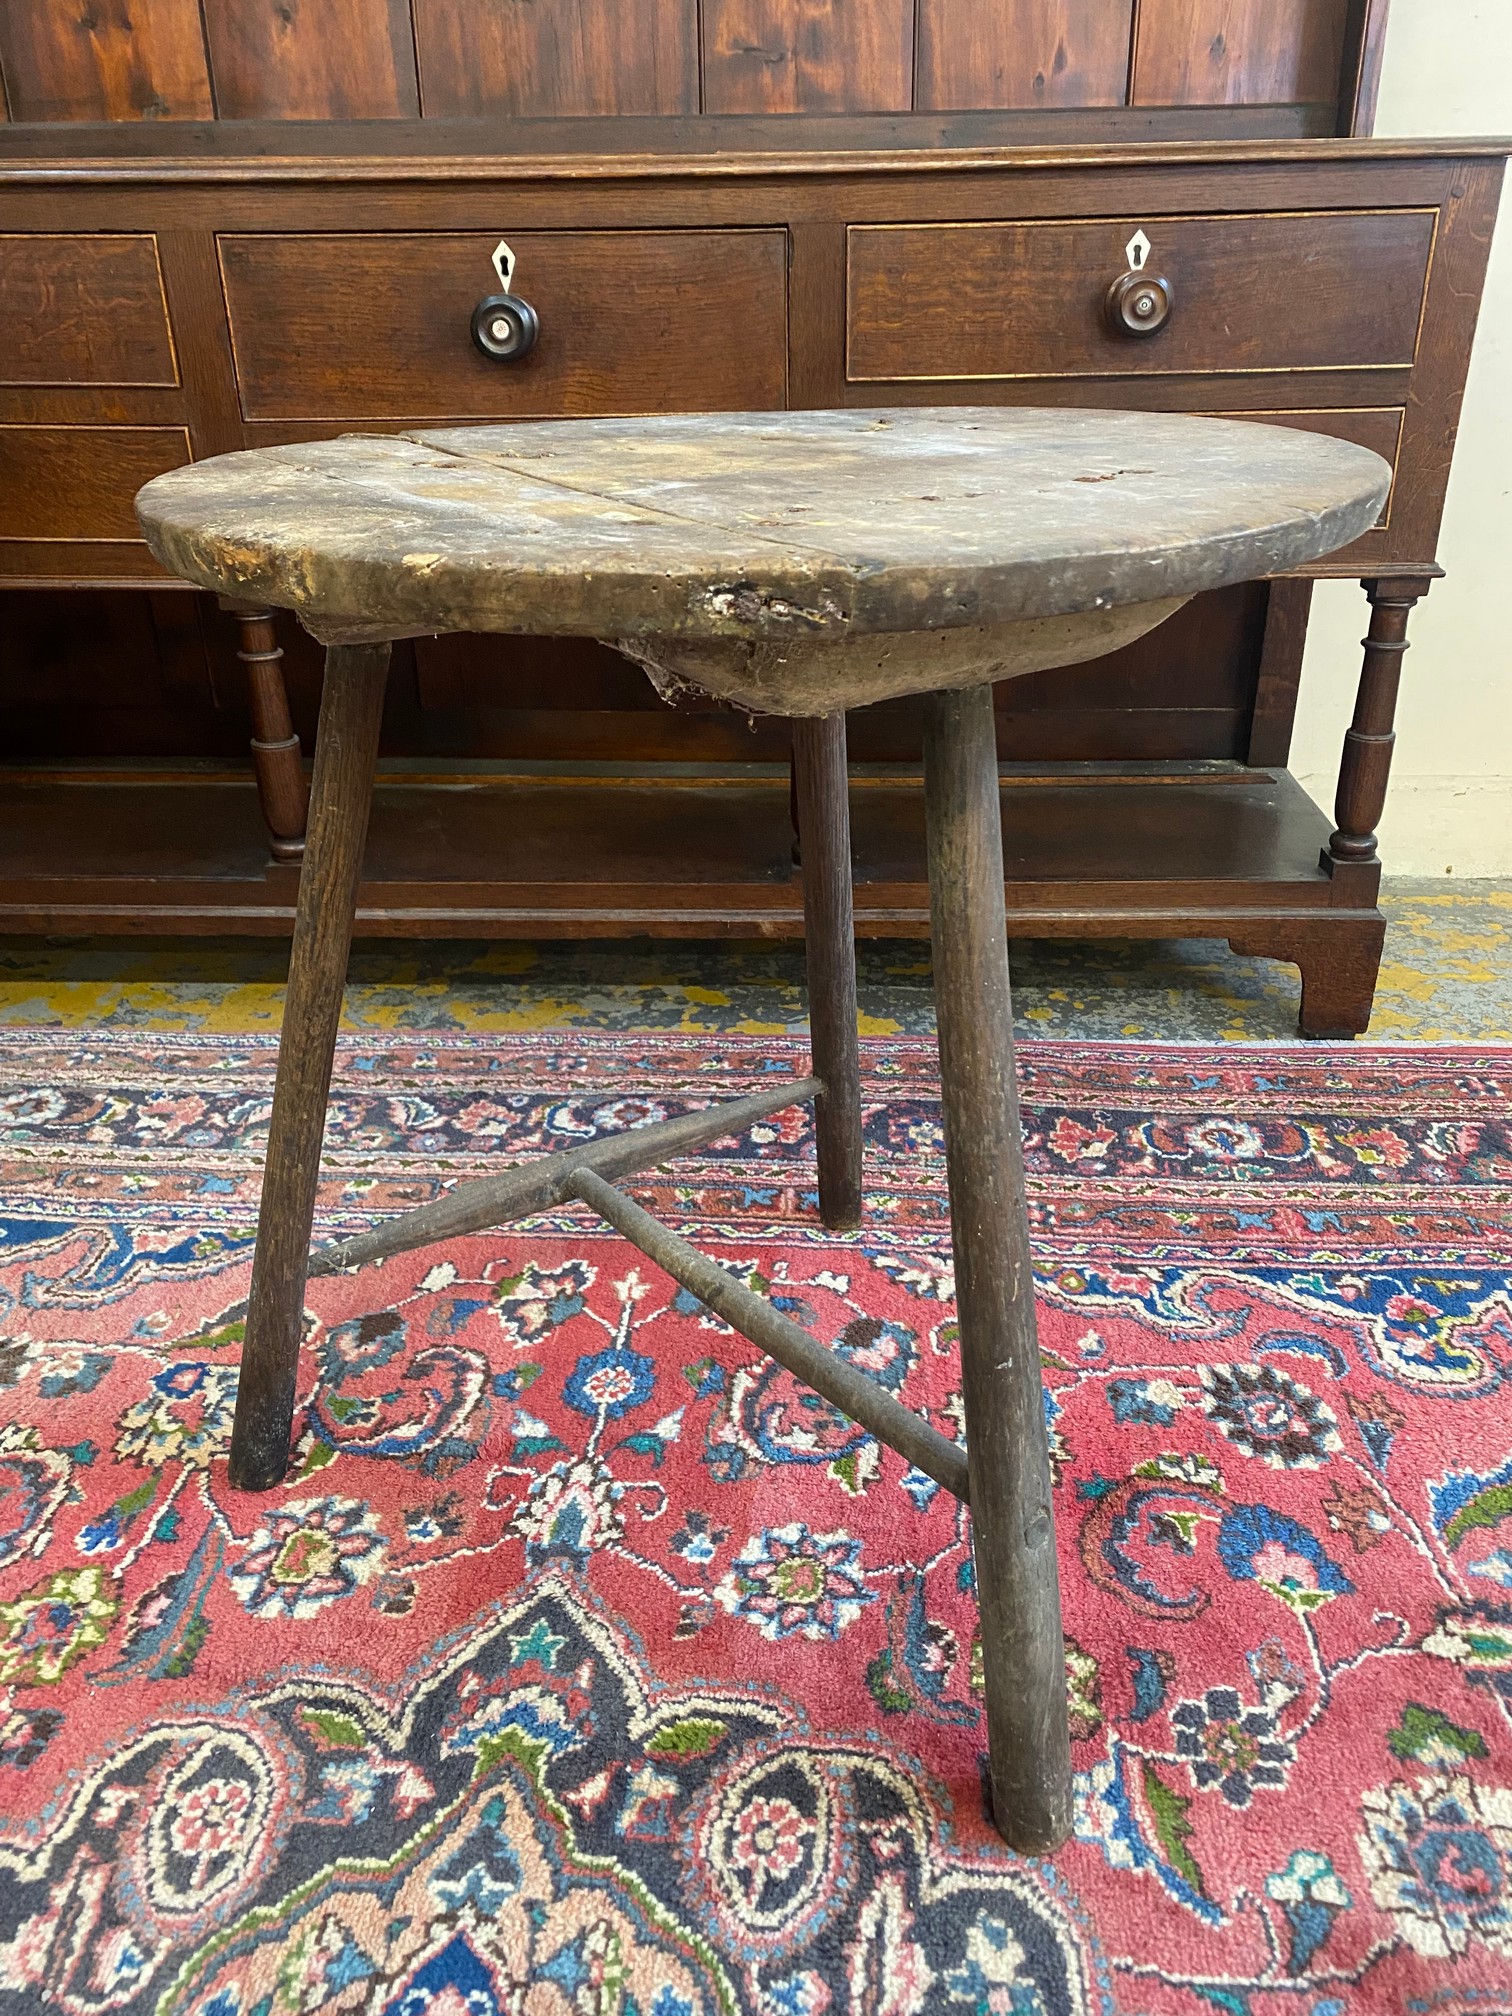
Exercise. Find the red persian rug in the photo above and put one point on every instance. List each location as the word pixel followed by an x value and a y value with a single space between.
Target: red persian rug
pixel 586 1665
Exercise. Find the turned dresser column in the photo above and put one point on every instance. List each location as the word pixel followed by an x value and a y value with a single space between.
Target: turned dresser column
pixel 1366 765
pixel 282 790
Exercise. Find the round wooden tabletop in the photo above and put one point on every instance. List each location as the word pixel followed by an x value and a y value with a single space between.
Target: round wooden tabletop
pixel 759 525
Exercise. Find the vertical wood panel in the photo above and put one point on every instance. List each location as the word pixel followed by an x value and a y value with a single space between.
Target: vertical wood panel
pixel 1238 52
pixel 312 59
pixel 1279 676
pixel 183 661
pixel 104 59
pixel 556 57
pixel 808 55
pixel 986 54
pixel 1364 49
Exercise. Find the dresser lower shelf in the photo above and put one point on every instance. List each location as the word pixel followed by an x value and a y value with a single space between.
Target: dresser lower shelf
pixel 1208 850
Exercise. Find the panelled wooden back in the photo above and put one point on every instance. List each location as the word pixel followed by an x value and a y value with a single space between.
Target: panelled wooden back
pixel 1237 52
pixel 1009 53
pixel 394 59
pixel 560 57
pixel 105 59
pixel 289 59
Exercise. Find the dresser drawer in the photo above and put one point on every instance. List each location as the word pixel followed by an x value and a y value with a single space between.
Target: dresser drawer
pixel 1378 428
pixel 378 326
pixel 77 310
pixel 80 483
pixel 1319 291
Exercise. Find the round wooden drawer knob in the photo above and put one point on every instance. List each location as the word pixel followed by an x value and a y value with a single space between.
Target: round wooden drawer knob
pixel 1139 304
pixel 505 327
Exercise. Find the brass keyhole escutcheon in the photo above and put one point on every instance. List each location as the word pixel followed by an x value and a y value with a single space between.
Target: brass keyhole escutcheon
pixel 504 325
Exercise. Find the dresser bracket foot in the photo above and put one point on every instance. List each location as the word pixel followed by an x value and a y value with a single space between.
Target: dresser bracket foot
pixel 1339 960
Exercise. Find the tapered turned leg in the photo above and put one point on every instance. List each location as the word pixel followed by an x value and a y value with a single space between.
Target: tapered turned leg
pixel 346 754
pixel 1366 765
pixel 281 788
pixel 1012 1523
pixel 822 787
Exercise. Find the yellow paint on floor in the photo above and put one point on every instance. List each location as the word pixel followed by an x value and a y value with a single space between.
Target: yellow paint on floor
pixel 1447 977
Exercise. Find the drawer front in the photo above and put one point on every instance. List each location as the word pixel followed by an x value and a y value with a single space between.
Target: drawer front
pixel 83 311
pixel 1326 291
pixel 64 483
pixel 377 327
pixel 1376 427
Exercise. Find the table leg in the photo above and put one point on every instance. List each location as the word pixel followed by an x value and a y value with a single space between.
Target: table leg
pixel 346 754
pixel 1013 1527
pixel 823 802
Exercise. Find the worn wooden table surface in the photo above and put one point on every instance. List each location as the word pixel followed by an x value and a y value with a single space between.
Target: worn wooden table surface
pixel 1049 536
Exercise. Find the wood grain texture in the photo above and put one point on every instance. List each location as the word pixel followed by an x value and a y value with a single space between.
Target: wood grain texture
pixel 822 792
pixel 1360 71
pixel 809 677
pixel 350 59
pixel 1378 428
pixel 282 789
pixel 1365 769
pixel 76 676
pixel 346 755
pixel 611 148
pixel 1266 293
pixel 1185 690
pixel 1339 959
pixel 312 59
pixel 538 58
pixel 630 321
pixel 1434 403
pixel 1012 53
pixel 1279 674
pixel 89 654
pixel 80 310
pixel 764 525
pixel 1238 52
pixel 104 59
pixel 511 855
pixel 808 55
pixel 1012 1515
pixel 78 482
pixel 611 861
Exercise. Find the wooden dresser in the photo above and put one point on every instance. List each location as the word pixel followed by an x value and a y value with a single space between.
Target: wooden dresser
pixel 173 290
